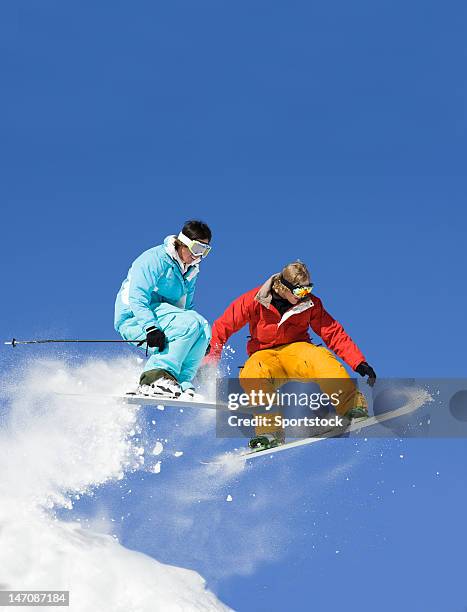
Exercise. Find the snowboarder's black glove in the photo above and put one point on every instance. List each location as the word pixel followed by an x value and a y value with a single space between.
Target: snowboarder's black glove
pixel 155 338
pixel 366 370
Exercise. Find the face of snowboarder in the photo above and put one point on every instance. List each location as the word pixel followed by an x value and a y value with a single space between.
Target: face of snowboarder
pixel 290 297
pixel 295 293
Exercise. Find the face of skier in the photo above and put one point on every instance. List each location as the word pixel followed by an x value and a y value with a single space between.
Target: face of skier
pixel 186 255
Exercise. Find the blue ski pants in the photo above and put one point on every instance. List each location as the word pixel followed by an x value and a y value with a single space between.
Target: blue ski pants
pixel 187 334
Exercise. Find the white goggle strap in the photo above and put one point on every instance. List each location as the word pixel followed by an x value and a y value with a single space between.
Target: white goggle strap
pixel 186 241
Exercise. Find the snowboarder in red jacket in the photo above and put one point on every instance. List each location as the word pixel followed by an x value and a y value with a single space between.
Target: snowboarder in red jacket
pixel 279 314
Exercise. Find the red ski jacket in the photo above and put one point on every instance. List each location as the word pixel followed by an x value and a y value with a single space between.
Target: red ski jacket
pixel 268 329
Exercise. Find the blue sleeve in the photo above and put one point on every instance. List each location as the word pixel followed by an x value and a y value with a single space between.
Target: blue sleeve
pixel 144 276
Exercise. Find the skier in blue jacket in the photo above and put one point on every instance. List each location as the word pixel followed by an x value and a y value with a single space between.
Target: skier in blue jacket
pixel 154 309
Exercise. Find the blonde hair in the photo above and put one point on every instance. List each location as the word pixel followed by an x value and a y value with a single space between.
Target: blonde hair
pixel 296 273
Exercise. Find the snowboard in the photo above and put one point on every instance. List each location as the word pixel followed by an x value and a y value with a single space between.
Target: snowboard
pixel 354 425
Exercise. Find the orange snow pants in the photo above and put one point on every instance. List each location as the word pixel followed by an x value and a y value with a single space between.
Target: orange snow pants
pixel 298 361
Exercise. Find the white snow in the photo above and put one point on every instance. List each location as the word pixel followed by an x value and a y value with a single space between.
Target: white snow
pixel 228 498
pixel 178 453
pixel 101 575
pixel 55 449
pixel 158 448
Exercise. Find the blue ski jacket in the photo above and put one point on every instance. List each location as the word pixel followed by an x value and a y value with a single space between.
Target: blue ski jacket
pixel 155 277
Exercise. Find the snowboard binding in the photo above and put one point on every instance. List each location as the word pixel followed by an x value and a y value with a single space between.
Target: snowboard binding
pixel 265 441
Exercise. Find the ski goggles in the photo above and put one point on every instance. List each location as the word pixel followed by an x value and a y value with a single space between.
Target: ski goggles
pixel 196 248
pixel 299 291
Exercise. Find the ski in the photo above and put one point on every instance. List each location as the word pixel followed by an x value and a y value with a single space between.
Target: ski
pixel 147 400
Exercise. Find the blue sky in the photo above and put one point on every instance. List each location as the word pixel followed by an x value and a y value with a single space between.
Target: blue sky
pixel 332 132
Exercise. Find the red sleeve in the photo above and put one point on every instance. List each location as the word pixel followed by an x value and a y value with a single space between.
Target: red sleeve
pixel 335 337
pixel 232 320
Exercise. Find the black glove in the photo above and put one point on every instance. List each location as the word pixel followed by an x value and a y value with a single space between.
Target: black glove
pixel 154 338
pixel 366 370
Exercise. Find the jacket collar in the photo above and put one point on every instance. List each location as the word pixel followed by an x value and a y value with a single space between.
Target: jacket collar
pixel 169 244
pixel 264 295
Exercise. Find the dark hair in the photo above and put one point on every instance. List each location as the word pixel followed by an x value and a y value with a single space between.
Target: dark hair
pixel 197 230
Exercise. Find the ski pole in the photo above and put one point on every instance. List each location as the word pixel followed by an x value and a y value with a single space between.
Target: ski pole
pixel 15 342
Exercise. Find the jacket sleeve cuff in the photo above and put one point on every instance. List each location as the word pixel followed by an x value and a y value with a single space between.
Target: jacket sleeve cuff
pixel 150 328
pixel 355 365
pixel 148 324
pixel 215 350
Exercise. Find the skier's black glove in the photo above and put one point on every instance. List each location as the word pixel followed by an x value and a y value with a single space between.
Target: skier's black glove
pixel 155 338
pixel 366 370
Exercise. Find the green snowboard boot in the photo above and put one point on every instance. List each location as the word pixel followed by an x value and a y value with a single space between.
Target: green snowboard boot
pixel 268 440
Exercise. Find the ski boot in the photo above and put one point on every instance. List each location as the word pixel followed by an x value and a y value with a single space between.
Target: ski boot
pixel 267 440
pixel 359 409
pixel 190 395
pixel 159 383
